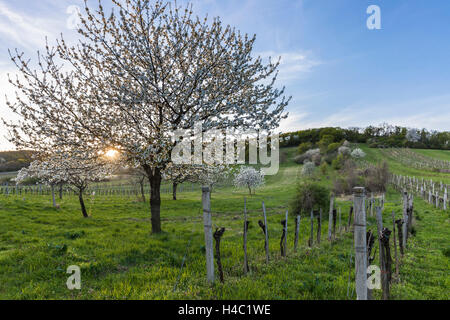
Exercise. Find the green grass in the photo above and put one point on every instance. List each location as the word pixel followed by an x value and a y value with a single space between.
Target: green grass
pixel 374 156
pixel 120 259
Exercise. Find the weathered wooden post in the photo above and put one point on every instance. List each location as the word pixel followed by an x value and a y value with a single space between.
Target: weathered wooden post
pixel 218 236
pixel 285 233
pixel 372 202
pixel 395 244
pixel 350 218
pixel 207 222
pixel 246 223
pixel 266 232
pixel 297 231
pixel 330 217
pixel 386 276
pixel 360 243
pixel 437 199
pixel 405 219
pixel 319 226
pixel 311 235
pixel 334 224
pixel 340 227
pixel 445 198
pixel 381 249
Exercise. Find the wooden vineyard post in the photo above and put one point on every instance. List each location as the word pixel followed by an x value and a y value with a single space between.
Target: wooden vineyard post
pixel 360 243
pixel 386 274
pixel 350 218
pixel 330 217
pixel 319 226
pixel 334 224
pixel 370 242
pixel 207 222
pixel 381 249
pixel 400 223
pixel 246 223
pixel 395 244
pixel 311 236
pixel 297 231
pixel 340 225
pixel 266 233
pixel 372 202
pixel 445 198
pixel 410 212
pixel 405 219
pixel 217 236
pixel 285 233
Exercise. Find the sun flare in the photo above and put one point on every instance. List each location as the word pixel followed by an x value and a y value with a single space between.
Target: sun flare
pixel 112 154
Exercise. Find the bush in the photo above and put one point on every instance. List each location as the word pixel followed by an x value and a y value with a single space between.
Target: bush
pixel 308 169
pixel 358 153
pixel 344 150
pixel 333 147
pixel 338 163
pixel 310 155
pixel 303 147
pixel 310 196
pixel 324 168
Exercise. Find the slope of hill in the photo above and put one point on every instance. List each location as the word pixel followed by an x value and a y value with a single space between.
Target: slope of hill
pixel 14 160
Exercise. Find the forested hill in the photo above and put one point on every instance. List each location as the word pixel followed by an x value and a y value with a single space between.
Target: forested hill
pixel 384 136
pixel 14 160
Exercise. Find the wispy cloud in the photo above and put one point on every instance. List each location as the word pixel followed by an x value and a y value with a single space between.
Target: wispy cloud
pixel 293 65
pixel 435 115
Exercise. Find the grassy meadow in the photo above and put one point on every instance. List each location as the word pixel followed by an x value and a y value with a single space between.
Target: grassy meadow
pixel 120 259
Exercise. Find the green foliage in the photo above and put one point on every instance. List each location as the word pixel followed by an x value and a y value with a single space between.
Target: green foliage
pixel 324 168
pixel 325 142
pixel 333 147
pixel 338 163
pixel 376 137
pixel 308 196
pixel 303 147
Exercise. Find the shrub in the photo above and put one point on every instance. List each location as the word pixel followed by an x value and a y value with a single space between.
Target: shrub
pixel 344 150
pixel 303 147
pixel 333 147
pixel 310 155
pixel 358 153
pixel 308 169
pixel 338 163
pixel 309 196
pixel 324 168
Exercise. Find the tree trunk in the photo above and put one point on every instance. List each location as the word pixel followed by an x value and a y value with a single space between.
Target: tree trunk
pixel 154 177
pixel 60 191
pixel 83 207
pixel 174 190
pixel 53 195
pixel 141 183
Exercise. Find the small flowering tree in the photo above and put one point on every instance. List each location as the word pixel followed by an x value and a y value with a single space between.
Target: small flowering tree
pixel 211 175
pixel 77 172
pixel 45 175
pixel 178 174
pixel 358 153
pixel 248 177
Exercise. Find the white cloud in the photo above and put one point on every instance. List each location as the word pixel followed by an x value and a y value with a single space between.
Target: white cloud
pixel 22 29
pixel 293 65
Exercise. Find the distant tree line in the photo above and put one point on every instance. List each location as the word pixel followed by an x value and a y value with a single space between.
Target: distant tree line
pixel 383 136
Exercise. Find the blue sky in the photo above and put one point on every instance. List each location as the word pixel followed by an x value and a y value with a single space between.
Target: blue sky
pixel 338 71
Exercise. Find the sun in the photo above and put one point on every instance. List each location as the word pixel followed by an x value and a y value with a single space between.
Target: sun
pixel 112 154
